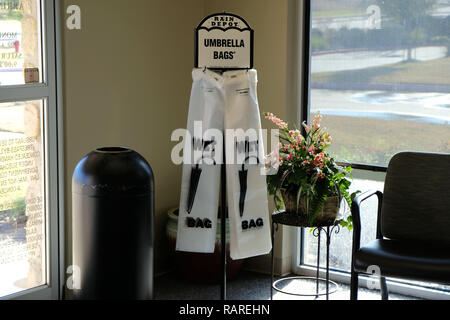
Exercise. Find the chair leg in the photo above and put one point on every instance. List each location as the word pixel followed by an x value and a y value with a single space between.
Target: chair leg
pixel 354 286
pixel 384 289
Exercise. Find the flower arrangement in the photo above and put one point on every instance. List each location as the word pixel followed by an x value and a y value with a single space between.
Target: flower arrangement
pixel 305 171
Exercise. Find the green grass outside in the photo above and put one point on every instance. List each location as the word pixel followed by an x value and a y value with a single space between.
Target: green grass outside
pixel 427 72
pixel 11 120
pixel 11 200
pixel 375 141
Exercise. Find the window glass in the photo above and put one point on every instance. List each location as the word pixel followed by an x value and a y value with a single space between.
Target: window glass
pixel 20 44
pixel 341 243
pixel 380 76
pixel 22 218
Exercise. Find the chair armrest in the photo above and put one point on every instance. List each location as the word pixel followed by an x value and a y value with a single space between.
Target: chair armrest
pixel 356 216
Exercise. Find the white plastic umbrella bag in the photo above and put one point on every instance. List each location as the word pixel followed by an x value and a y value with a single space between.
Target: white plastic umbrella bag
pixel 229 102
pixel 197 220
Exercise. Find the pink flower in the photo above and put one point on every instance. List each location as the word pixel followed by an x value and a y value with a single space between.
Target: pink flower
pixel 319 157
pixel 272 158
pixel 317 120
pixel 326 139
pixel 280 123
pixel 299 138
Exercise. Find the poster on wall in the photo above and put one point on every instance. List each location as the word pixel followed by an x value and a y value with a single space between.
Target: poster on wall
pixel 224 41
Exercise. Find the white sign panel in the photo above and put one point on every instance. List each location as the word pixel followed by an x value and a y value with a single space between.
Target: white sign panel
pixel 224 41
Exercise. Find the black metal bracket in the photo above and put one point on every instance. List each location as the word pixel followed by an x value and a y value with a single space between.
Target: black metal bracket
pixel 317 231
pixel 328 231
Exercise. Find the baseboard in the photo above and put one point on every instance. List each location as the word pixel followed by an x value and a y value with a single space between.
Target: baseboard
pixel 164 272
pixel 262 264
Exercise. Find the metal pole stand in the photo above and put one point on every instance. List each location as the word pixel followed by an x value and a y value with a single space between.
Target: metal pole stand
pixel 223 238
pixel 280 218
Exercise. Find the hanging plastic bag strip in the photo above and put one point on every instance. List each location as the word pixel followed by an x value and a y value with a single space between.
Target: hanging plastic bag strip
pixel 224 103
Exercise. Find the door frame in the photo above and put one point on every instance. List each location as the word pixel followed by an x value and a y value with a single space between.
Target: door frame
pixel 49 90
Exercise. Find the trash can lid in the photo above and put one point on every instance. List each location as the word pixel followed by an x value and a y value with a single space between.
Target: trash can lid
pixel 113 171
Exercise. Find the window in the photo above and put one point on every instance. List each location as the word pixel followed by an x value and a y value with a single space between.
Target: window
pixel 20 41
pixel 28 151
pixel 379 76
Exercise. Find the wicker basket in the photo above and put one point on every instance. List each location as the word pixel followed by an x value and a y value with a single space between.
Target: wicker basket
pixel 300 217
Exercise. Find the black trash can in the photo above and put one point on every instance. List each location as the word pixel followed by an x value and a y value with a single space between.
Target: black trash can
pixel 113 225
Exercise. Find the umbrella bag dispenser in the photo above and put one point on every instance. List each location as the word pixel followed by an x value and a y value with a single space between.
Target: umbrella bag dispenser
pixel 223 159
pixel 113 226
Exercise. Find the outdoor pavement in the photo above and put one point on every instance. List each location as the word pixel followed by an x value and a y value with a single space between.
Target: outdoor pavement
pixel 430 106
pixel 355 60
pixel 13 271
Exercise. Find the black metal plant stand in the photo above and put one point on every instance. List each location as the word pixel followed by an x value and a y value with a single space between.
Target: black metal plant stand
pixel 328 229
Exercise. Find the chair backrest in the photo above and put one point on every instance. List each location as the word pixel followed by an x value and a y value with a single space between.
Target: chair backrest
pixel 416 200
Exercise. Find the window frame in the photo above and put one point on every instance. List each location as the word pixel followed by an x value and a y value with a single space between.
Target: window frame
pixel 303 20
pixel 50 92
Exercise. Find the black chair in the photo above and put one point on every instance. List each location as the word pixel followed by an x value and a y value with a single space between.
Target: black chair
pixel 413 224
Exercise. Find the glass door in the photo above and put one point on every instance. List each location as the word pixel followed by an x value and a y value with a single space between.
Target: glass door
pixel 28 151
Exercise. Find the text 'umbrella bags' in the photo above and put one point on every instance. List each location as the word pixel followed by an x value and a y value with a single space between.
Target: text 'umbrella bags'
pixel 224 107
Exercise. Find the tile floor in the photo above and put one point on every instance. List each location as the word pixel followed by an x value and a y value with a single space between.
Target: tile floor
pixel 248 286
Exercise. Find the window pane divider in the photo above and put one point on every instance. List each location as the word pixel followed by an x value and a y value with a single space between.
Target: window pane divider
pixel 26 92
pixel 361 166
